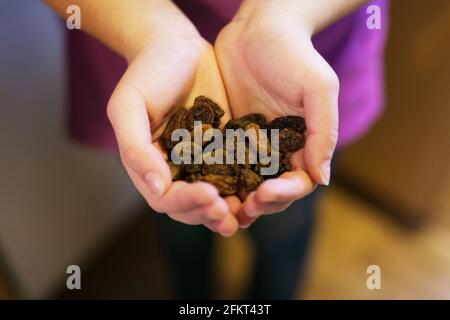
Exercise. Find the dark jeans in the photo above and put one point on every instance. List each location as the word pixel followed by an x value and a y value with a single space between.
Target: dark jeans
pixel 281 243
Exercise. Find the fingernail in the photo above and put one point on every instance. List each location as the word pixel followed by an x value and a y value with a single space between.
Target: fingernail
pixel 325 173
pixel 155 183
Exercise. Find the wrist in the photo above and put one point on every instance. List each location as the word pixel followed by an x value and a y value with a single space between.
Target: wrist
pixel 179 40
pixel 311 15
pixel 267 12
pixel 164 27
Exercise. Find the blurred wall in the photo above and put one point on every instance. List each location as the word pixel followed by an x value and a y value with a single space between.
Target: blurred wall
pixel 404 162
pixel 58 201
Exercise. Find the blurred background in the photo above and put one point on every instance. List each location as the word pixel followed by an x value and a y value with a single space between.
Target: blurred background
pixel 63 204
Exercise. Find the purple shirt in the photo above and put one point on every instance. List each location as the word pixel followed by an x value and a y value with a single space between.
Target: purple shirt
pixel 354 52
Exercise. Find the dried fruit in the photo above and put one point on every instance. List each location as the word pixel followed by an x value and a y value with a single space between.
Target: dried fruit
pixel 177 121
pixel 202 113
pixel 203 101
pixel 192 168
pixel 253 118
pixel 221 169
pixel 229 179
pixel 289 122
pixel 290 140
pixel 250 180
pixel 227 185
pixel 175 170
pixel 204 128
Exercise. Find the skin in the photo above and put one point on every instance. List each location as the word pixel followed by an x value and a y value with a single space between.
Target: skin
pixel 280 73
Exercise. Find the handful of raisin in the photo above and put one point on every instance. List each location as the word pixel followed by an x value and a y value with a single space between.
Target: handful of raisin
pixel 244 172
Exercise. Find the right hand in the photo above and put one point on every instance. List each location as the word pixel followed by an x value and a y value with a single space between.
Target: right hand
pixel 270 66
pixel 169 71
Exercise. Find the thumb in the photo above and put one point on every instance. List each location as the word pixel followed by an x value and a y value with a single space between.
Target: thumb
pixel 128 115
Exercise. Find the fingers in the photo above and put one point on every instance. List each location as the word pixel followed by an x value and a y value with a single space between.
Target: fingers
pixel 321 114
pixel 275 195
pixel 226 227
pixel 244 220
pixel 253 207
pixel 289 187
pixel 128 115
pixel 182 197
pixel 212 212
pixel 216 216
pixel 229 225
pixel 234 203
pixel 194 204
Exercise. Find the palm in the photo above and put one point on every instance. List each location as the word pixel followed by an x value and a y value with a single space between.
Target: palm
pixel 263 81
pixel 271 67
pixel 181 75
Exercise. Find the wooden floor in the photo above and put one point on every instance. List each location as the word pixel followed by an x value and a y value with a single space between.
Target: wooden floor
pixel 350 236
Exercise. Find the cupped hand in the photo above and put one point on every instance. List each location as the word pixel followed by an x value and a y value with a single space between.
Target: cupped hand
pixel 270 66
pixel 168 72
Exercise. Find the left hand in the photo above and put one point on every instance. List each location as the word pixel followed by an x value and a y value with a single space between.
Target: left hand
pixel 270 66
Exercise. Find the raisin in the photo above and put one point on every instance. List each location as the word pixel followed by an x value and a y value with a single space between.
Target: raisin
pixel 252 126
pixel 176 171
pixel 227 185
pixel 177 121
pixel 216 123
pixel 289 122
pixel 193 149
pixel 205 127
pixel 221 169
pixel 193 177
pixel 291 140
pixel 253 118
pixel 203 113
pixel 250 180
pixel 285 166
pixel 229 179
pixel 231 125
pixel 245 157
pixel 192 168
pixel 205 101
